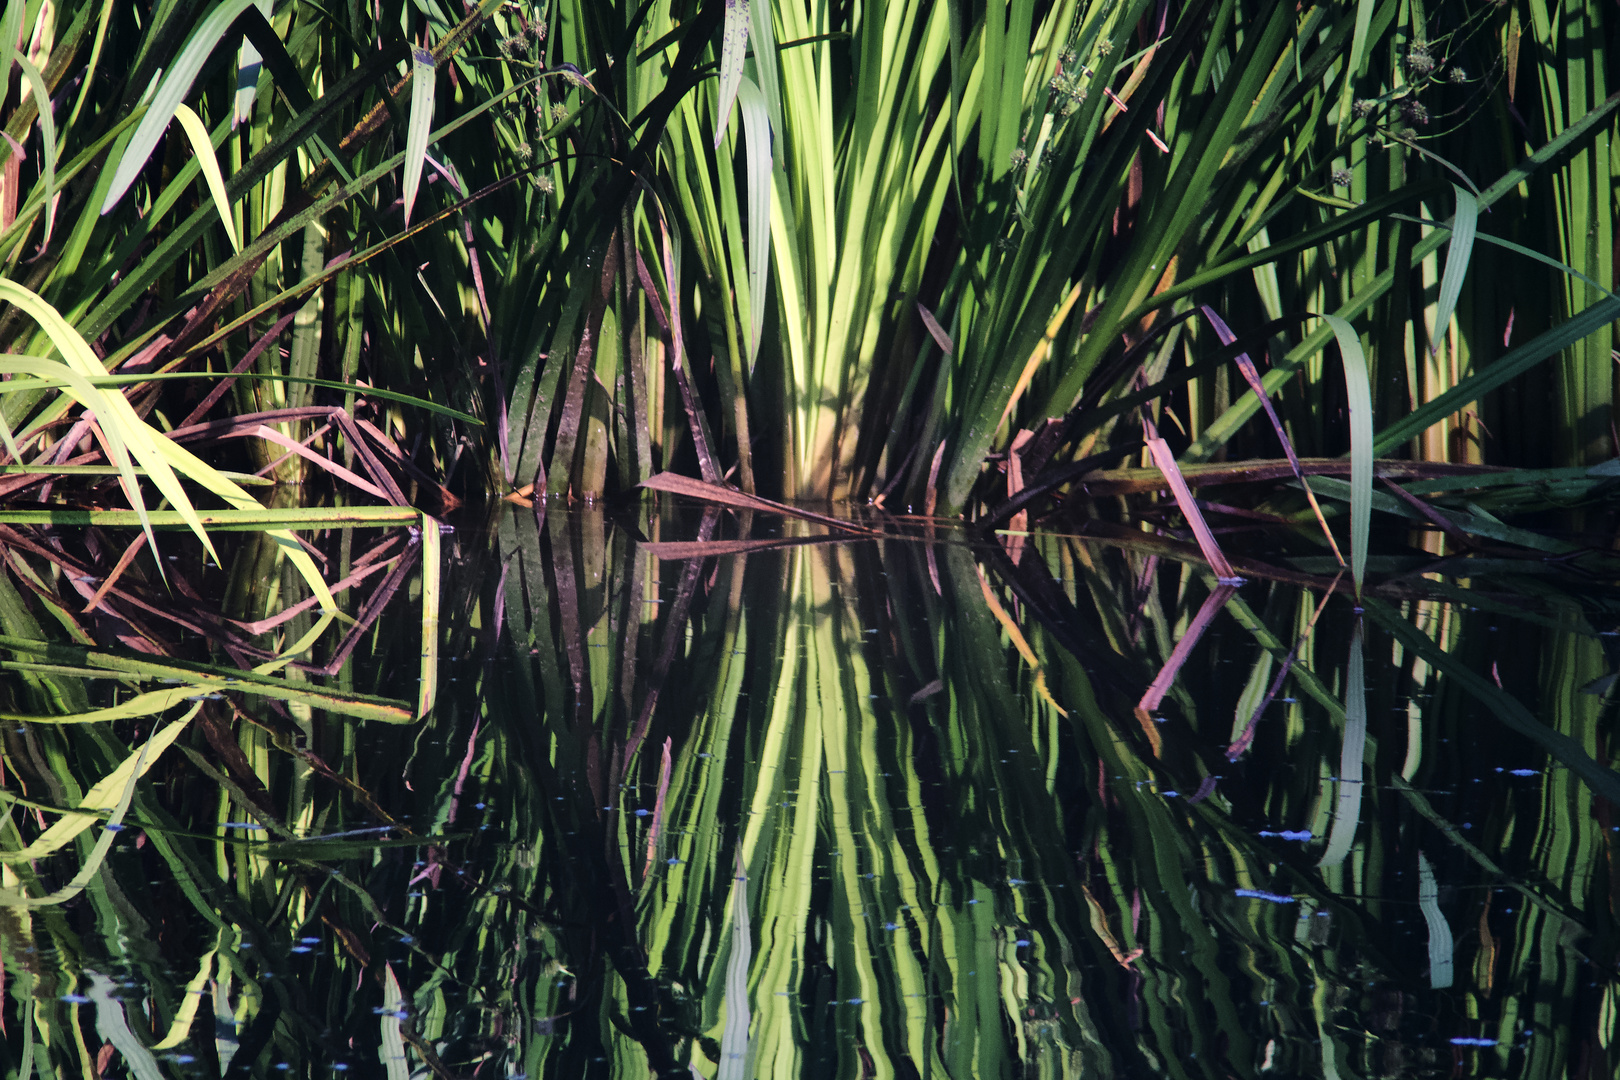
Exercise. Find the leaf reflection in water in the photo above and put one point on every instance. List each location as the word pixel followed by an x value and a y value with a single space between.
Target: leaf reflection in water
pixel 725 795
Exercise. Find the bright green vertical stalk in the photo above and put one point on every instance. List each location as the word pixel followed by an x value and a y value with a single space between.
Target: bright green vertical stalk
pixel 1582 209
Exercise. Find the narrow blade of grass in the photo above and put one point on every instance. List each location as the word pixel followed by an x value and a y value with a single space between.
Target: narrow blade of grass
pixel 420 124
pixel 757 134
pixel 47 130
pixel 1457 256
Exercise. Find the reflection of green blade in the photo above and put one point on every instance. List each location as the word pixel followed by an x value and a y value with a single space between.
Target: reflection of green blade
pixel 1509 709
pixel 114 1027
pixel 306 517
pixel 202 679
pixel 1350 782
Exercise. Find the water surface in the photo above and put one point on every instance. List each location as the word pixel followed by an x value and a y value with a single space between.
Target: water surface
pixel 841 807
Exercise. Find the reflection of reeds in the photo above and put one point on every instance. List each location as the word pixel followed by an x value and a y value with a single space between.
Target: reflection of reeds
pixel 805 780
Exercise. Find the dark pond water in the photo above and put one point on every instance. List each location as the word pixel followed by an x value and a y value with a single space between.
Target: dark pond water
pixel 883 807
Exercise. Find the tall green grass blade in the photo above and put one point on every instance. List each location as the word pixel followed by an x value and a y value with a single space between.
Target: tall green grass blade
pixel 255 520
pixel 174 88
pixel 203 147
pixel 1358 60
pixel 762 35
pixel 1457 256
pixel 1358 392
pixel 757 134
pixel 112 431
pixel 423 74
pixel 733 51
pixel 431 560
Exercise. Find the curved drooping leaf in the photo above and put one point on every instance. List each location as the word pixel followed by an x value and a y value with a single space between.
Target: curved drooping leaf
pixel 176 84
pixel 1358 391
pixel 203 147
pixel 160 455
pixel 47 130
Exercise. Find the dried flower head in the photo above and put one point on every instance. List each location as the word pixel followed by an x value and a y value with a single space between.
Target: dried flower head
pixel 1415 111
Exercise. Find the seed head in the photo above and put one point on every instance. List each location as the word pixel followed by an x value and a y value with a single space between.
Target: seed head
pixel 1419 61
pixel 545 184
pixel 1457 75
pixel 1342 178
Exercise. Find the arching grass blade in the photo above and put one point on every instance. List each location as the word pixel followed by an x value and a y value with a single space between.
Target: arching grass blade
pixel 1457 256
pixel 203 147
pixel 1358 390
